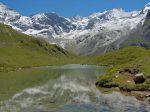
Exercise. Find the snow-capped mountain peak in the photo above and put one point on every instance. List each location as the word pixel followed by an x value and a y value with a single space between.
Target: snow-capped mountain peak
pixel 8 15
pixel 43 15
pixel 79 22
pixel 38 16
pixel 94 15
pixel 146 8
pixel 116 14
pixel 3 7
pixel 86 35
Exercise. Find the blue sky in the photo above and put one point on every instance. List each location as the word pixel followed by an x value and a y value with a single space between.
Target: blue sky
pixel 70 8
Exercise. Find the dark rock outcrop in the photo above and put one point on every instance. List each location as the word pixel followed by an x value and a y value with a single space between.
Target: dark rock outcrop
pixel 139 78
pixel 132 71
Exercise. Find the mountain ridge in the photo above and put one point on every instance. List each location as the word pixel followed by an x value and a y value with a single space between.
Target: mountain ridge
pixel 81 35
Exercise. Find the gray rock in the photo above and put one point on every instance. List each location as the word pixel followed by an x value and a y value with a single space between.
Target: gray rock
pixel 148 95
pixel 139 78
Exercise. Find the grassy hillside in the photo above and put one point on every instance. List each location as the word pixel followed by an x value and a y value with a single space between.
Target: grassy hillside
pixel 122 56
pixel 18 53
pixel 126 64
pixel 18 50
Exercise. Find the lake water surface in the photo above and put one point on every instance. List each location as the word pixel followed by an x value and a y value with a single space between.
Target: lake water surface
pixel 72 91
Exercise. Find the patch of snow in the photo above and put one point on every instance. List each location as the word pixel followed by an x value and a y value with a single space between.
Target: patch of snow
pixel 34 32
pixel 3 7
pixel 146 8
pixel 14 27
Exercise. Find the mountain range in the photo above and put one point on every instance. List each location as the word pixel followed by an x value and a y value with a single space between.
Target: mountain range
pixel 96 34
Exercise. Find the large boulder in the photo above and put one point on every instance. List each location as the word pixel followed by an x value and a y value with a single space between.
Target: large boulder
pixel 139 78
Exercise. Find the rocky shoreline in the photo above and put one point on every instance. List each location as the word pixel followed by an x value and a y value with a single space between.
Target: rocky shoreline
pixel 130 82
pixel 139 95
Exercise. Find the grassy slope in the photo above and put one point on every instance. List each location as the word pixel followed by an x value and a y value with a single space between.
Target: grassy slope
pixel 19 51
pixel 131 58
pixel 121 57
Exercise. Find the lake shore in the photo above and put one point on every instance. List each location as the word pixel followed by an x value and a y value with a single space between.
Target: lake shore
pixel 139 95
